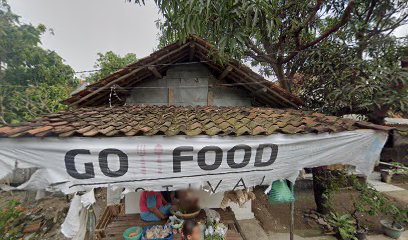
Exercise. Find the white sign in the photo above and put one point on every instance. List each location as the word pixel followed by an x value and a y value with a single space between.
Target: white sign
pixel 167 163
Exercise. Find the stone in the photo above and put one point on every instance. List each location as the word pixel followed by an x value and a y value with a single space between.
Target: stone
pixel 322 222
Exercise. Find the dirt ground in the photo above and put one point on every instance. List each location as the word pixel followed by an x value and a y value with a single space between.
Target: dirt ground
pixel 276 218
pixel 51 211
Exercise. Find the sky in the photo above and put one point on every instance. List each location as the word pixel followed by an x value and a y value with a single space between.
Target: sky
pixel 83 28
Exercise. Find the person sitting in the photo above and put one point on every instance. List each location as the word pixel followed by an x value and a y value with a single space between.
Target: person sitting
pixel 191 230
pixel 153 207
pixel 170 196
pixel 187 200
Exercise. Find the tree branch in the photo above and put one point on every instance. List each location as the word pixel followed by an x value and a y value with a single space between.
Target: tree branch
pixel 336 27
pixel 312 15
pixel 258 54
pixel 324 35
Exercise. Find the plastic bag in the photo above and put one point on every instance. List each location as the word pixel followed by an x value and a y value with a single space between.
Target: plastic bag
pixel 280 192
pixel 212 215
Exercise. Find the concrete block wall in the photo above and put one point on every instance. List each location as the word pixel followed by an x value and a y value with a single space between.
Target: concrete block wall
pixel 191 85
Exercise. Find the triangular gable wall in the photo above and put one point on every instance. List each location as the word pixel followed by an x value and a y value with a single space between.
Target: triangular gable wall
pixel 193 50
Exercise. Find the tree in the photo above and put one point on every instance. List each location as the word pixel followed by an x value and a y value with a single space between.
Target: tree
pixel 358 71
pixel 271 33
pixel 109 62
pixel 38 100
pixel 342 50
pixel 26 69
pixel 337 82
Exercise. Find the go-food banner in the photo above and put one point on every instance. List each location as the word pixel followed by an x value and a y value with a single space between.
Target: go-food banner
pixel 168 163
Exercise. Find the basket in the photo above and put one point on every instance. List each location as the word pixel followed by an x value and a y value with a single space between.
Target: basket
pixel 130 230
pixel 185 215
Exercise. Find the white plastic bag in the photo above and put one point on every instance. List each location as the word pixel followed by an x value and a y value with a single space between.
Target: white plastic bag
pixel 212 215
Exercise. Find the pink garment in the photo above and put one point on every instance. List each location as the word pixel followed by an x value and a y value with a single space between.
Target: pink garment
pixel 143 200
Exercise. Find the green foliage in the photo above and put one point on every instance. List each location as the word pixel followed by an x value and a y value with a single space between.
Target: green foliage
pixel 397 167
pixel 368 201
pixel 342 49
pixel 28 72
pixel 344 225
pixel 333 180
pixel 358 71
pixel 278 34
pixel 108 63
pixel 7 215
pixel 39 100
pixel 337 82
pixel 271 32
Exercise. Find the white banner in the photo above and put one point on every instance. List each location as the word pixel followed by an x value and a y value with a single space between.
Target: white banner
pixel 167 163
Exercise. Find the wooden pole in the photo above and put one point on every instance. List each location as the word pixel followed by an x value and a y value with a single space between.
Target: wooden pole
pixel 292 211
pixel 292 219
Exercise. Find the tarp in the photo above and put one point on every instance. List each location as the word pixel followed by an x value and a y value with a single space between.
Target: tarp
pixel 215 163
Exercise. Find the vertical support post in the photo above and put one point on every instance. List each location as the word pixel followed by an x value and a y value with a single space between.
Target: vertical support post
pixel 210 96
pixel 171 96
pixel 292 212
pixel 292 219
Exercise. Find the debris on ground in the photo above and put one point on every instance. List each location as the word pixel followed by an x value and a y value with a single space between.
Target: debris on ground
pixel 312 216
pixel 23 218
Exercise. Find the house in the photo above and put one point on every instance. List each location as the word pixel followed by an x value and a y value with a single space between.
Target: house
pixel 167 76
pixel 180 119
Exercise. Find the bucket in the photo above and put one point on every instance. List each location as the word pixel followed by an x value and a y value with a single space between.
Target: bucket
pixel 132 230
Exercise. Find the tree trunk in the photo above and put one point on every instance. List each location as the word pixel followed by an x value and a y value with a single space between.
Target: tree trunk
pixel 280 75
pixel 378 115
pixel 320 177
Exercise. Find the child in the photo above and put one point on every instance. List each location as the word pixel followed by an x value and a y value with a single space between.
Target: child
pixel 153 207
pixel 191 230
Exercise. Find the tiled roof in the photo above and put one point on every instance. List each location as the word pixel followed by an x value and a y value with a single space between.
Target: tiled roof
pixel 164 120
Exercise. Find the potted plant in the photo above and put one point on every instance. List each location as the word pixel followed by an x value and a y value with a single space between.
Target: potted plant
pixel 393 226
pixel 386 175
pixel 395 168
pixel 369 202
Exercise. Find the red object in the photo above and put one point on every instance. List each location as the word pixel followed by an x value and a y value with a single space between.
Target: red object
pixel 32 228
pixel 143 200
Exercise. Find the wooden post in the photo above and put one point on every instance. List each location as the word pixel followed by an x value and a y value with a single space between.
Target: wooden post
pixel 292 220
pixel 292 211
pixel 171 96
pixel 210 97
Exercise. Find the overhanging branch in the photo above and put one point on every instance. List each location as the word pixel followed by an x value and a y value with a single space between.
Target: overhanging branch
pixel 324 35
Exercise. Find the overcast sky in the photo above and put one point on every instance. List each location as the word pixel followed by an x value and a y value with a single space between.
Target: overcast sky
pixel 85 27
